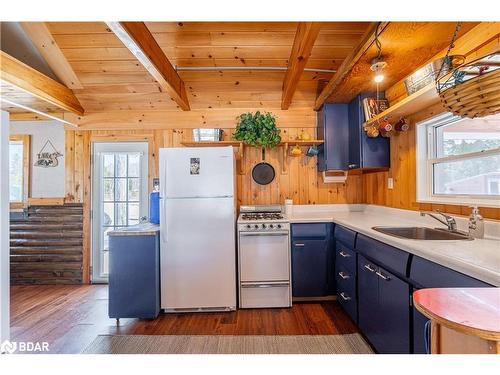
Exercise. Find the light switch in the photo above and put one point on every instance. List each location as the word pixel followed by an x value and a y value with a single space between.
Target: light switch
pixel 390 183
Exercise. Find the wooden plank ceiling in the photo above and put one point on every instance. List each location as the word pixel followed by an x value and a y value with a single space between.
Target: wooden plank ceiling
pixel 110 78
pixel 113 79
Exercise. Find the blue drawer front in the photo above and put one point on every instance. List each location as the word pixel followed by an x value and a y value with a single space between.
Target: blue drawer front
pixel 134 277
pixel 312 230
pixel 346 293
pixel 393 259
pixel 346 236
pixel 345 257
pixel 427 274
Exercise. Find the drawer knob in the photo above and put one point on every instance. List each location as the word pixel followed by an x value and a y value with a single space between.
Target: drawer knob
pixel 344 275
pixel 344 254
pixel 345 297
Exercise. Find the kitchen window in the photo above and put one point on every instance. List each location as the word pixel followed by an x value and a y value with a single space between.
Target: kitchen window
pixel 458 160
pixel 19 167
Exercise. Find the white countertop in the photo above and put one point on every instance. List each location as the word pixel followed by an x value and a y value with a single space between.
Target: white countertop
pixel 479 258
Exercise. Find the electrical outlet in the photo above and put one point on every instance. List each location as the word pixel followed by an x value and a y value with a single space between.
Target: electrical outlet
pixel 390 183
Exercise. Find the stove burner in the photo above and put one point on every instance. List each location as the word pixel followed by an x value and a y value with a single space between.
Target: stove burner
pixel 261 216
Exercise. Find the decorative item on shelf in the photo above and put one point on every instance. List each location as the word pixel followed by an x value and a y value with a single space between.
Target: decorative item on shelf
pixel 200 134
pixel 384 128
pixel 402 125
pixel 373 106
pixel 257 130
pixel 296 151
pixel 47 159
pixel 426 75
pixel 472 89
pixel 312 151
pixel 372 131
pixel 304 136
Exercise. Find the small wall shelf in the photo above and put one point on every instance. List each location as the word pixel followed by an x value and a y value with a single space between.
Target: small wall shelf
pixel 415 102
pixel 241 147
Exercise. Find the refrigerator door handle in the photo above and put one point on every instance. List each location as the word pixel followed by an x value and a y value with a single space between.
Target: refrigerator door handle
pixel 163 220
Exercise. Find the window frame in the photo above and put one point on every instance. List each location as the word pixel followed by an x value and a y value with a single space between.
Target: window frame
pixel 426 158
pixel 25 139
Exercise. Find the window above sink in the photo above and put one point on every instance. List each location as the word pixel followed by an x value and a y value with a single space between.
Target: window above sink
pixel 458 160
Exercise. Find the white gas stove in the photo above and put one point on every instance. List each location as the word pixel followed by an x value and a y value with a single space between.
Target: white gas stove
pixel 263 257
pixel 262 218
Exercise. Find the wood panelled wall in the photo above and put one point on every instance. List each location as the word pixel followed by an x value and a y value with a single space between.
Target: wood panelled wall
pixel 46 245
pixel 403 171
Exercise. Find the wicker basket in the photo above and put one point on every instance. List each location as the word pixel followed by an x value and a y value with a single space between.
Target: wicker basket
pixel 472 90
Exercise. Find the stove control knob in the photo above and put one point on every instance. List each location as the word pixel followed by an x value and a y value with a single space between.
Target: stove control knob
pixel 271 226
pixel 279 226
pixel 264 226
pixel 248 226
pixel 256 226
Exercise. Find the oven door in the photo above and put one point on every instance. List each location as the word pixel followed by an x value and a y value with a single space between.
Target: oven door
pixel 264 256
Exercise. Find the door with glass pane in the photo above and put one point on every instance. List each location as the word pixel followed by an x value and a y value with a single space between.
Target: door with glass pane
pixel 120 195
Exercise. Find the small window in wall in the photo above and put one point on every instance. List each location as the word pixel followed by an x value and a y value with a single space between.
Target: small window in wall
pixel 19 167
pixel 458 160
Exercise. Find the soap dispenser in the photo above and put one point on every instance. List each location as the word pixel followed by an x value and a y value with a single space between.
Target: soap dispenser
pixel 476 223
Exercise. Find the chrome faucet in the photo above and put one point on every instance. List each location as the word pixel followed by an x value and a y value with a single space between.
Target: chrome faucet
pixel 448 220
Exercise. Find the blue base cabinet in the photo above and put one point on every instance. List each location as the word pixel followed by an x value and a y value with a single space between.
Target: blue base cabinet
pixel 384 309
pixel 312 260
pixel 346 271
pixel 134 276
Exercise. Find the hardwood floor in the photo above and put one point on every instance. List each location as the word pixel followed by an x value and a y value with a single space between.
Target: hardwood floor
pixel 69 317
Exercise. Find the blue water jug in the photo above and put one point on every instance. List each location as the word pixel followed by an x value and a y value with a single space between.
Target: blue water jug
pixel 154 207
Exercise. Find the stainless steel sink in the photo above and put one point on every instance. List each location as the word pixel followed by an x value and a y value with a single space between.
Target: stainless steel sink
pixel 423 233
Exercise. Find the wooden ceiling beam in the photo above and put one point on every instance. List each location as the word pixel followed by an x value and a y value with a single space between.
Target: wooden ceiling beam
pixel 41 37
pixel 366 41
pixel 306 35
pixel 139 40
pixel 27 79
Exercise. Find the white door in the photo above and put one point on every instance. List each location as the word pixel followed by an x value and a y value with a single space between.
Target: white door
pixel 4 229
pixel 197 172
pixel 198 254
pixel 119 195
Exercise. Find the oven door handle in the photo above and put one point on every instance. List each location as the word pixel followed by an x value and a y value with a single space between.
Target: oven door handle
pixel 266 285
pixel 263 233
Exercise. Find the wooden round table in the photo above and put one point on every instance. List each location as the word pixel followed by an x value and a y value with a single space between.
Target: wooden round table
pixel 463 320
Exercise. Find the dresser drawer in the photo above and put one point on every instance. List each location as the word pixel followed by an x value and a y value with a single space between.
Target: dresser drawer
pixel 389 257
pixel 345 258
pixel 347 299
pixel 311 230
pixel 346 236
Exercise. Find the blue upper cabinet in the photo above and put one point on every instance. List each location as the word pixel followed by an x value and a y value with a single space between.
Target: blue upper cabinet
pixel 333 128
pixel 346 144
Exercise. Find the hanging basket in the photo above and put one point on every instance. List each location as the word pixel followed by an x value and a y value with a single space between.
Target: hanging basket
pixel 472 90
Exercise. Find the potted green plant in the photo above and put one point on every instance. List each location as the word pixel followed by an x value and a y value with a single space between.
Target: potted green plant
pixel 257 130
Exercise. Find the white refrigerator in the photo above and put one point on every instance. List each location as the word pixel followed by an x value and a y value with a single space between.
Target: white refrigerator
pixel 197 229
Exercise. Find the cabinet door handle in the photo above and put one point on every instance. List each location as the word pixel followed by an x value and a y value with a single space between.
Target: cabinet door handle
pixel 351 166
pixel 345 297
pixel 299 245
pixel 344 254
pixel 382 276
pixel 344 275
pixel 369 268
